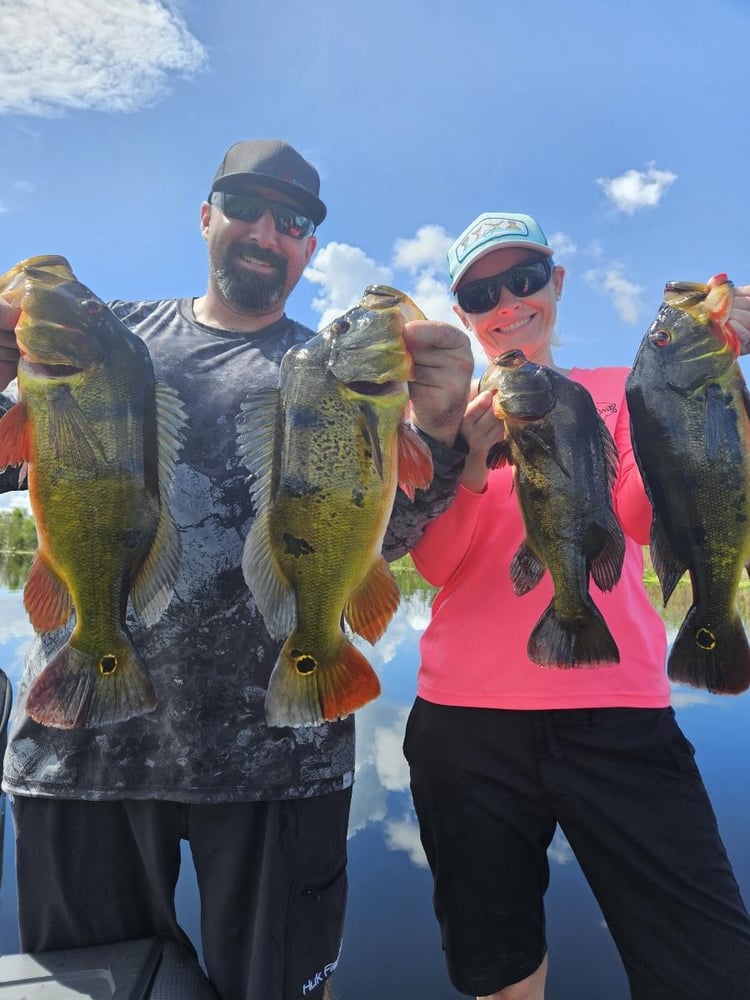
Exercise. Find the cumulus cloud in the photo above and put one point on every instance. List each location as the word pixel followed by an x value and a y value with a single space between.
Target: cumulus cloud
pixel 403 835
pixel 417 266
pixel 343 272
pixel 91 54
pixel 427 249
pixel 624 294
pixel 562 245
pixel 637 189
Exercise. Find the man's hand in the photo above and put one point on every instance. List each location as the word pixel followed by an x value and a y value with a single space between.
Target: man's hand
pixel 739 316
pixel 8 347
pixel 443 365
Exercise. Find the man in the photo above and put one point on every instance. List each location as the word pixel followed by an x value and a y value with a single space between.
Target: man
pixel 100 813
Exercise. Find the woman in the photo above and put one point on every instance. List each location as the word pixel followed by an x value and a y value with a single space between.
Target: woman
pixel 501 750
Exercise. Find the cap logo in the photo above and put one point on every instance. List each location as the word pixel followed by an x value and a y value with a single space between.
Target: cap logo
pixel 489 229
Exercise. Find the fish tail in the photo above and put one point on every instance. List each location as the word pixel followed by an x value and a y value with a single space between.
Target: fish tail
pixel 715 658
pixel 306 690
pixel 564 641
pixel 76 689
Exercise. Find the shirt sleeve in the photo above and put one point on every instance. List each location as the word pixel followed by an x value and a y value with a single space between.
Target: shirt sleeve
pixel 409 519
pixel 8 476
pixel 446 539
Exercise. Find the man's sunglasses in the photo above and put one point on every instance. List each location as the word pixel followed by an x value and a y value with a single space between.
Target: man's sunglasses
pixel 522 280
pixel 289 221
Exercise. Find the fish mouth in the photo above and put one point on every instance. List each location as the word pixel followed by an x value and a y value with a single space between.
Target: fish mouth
pixel 363 388
pixel 42 369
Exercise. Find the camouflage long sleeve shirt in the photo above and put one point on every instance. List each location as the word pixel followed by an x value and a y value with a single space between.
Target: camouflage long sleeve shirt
pixel 210 655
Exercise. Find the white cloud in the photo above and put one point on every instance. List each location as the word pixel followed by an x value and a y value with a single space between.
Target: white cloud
pixel 625 294
pixel 90 54
pixel 343 272
pixel 636 189
pixel 428 249
pixel 403 835
pixel 562 245
pixel 560 851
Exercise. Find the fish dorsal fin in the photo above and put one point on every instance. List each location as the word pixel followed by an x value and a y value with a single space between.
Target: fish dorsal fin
pixel 15 437
pixel 258 430
pixel 668 568
pixel 154 583
pixel 611 454
pixel 257 436
pixel 374 602
pixel 606 566
pixel 46 598
pixel 414 461
pixel 72 436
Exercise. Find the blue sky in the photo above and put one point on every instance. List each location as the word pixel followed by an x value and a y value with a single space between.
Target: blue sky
pixel 622 128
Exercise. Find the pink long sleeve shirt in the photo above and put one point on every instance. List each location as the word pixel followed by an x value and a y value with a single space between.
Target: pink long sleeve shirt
pixel 473 652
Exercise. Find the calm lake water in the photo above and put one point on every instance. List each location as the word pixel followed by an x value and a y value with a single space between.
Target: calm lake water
pixel 391 943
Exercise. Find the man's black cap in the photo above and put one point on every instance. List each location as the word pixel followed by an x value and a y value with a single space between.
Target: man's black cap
pixel 275 164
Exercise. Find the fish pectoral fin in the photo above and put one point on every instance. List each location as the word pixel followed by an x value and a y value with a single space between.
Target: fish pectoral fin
pixel 74 690
pixel 551 453
pixel 72 436
pixel 153 584
pixel 719 423
pixel 15 437
pixel 273 593
pixel 374 602
pixel 258 430
pixel 415 469
pixel 499 455
pixel 46 597
pixel 526 570
pixel 667 566
pixel 305 690
pixel 606 566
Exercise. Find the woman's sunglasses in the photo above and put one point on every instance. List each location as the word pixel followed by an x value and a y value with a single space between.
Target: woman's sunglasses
pixel 522 280
pixel 289 221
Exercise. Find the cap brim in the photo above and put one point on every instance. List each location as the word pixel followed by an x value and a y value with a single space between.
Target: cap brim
pixel 235 183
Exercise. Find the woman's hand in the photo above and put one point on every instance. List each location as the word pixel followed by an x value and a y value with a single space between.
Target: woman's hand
pixel 481 429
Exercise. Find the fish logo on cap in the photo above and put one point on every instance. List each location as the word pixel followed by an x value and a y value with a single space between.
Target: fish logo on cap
pixel 487 229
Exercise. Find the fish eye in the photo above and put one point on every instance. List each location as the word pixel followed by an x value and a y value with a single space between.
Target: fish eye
pixel 91 306
pixel 340 325
pixel 661 338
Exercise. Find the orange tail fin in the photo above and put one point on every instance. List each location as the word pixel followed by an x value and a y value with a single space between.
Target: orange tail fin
pixel 75 691
pixel 306 691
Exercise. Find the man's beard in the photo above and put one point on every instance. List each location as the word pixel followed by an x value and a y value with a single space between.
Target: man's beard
pixel 249 289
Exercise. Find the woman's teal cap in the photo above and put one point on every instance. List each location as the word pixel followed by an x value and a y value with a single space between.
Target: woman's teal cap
pixel 489 232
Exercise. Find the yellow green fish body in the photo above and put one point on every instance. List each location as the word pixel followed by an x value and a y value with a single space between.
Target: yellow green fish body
pixel 100 438
pixel 689 409
pixel 328 449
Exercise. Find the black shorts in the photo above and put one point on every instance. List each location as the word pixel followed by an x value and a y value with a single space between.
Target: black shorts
pixel 489 788
pixel 271 875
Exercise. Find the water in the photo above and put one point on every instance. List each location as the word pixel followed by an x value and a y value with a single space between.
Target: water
pixel 391 943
